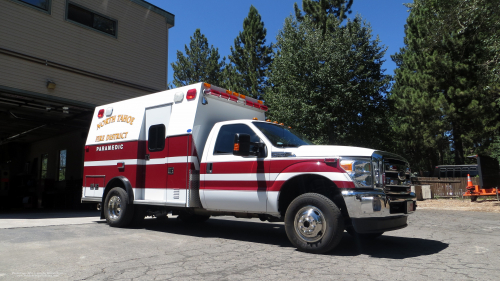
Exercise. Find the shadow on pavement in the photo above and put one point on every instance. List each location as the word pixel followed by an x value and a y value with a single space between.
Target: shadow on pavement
pixel 390 247
pixel 48 214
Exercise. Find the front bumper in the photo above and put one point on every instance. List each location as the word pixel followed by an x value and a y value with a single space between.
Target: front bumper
pixel 374 211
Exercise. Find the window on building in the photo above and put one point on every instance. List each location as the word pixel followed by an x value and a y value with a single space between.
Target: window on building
pixel 40 4
pixel 62 165
pixel 91 19
pixel 45 162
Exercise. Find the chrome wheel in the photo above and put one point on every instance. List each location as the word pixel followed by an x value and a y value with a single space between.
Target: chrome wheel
pixel 310 224
pixel 114 207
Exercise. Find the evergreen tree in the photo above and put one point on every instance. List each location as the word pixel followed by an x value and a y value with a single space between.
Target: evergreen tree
pixel 250 57
pixel 324 13
pixel 201 63
pixel 443 93
pixel 330 87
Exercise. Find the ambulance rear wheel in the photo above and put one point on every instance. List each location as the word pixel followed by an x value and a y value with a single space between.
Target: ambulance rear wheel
pixel 117 211
pixel 313 223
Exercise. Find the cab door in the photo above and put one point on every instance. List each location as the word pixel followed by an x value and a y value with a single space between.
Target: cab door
pixel 234 183
pixel 156 148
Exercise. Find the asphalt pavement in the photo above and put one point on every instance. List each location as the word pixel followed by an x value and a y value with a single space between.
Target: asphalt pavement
pixel 437 245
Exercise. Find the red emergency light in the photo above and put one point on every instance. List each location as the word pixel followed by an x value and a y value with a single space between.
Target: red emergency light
pixel 100 114
pixel 191 94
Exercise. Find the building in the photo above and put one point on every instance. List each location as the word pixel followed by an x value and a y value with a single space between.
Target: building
pixel 59 59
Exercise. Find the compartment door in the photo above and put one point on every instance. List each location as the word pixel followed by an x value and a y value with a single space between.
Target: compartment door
pixel 155 174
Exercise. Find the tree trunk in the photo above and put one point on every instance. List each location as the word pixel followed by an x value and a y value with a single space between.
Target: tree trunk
pixel 458 145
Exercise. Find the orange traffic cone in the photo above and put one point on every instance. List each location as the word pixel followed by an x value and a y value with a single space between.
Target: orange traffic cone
pixel 469 182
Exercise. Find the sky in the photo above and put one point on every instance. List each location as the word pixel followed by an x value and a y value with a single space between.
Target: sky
pixel 222 20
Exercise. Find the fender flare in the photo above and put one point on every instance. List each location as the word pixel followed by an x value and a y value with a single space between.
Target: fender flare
pixel 316 168
pixel 122 181
pixel 340 178
pixel 114 182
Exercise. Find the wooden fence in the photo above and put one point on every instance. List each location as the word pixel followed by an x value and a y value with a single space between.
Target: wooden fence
pixel 445 187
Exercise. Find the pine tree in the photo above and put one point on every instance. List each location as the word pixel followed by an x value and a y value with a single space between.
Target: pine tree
pixel 201 63
pixel 324 13
pixel 330 87
pixel 250 57
pixel 442 94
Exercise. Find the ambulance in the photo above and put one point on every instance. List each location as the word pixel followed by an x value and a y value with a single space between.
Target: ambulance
pixel 199 151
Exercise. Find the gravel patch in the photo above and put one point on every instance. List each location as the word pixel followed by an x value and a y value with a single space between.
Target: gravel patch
pixel 481 205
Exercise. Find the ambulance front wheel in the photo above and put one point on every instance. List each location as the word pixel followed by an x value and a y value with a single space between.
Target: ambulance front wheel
pixel 117 210
pixel 313 223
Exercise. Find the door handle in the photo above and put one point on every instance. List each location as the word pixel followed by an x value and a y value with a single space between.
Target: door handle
pixel 209 168
pixel 146 157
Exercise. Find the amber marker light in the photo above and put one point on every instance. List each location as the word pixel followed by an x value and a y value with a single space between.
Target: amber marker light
pixel 268 120
pixel 236 147
pixel 260 102
pixel 255 118
pixel 275 122
pixel 207 85
pixel 347 167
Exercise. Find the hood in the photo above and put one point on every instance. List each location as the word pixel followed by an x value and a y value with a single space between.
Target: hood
pixel 332 150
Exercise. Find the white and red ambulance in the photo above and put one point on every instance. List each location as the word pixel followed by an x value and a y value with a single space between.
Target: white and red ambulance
pixel 200 150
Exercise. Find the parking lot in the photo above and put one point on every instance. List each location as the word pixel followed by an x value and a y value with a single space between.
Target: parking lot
pixel 436 245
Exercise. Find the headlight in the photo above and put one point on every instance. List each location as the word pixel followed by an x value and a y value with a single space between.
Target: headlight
pixel 359 170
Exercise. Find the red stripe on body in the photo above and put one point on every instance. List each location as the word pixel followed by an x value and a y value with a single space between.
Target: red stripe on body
pixel 131 150
pixel 303 166
pixel 131 172
pixel 242 167
pixel 180 176
pixel 270 166
pixel 241 185
pixel 178 146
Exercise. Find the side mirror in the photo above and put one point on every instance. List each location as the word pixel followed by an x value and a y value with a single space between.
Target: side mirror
pixel 241 145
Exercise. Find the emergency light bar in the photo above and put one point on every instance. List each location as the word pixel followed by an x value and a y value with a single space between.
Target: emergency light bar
pixel 233 96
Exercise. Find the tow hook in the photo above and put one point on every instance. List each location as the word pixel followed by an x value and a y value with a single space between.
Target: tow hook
pixel 98 206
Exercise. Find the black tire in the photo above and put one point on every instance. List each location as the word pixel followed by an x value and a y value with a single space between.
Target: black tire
pixel 363 236
pixel 473 198
pixel 192 218
pixel 117 211
pixel 313 223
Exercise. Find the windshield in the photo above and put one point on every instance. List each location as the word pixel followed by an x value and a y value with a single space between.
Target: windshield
pixel 281 136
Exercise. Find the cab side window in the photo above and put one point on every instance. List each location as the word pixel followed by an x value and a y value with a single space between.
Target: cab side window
pixel 225 140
